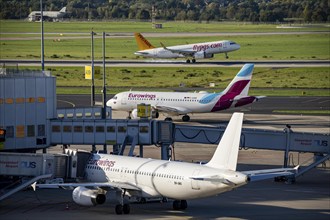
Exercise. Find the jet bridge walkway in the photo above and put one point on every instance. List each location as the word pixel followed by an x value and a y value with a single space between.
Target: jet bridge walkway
pixel 286 141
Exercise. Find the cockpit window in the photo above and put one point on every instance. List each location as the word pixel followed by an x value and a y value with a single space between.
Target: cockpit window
pixel 115 98
pixel 232 43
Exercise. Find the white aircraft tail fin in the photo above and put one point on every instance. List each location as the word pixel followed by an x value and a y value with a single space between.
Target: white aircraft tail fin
pixel 143 44
pixel 225 156
pixel 63 9
pixel 241 83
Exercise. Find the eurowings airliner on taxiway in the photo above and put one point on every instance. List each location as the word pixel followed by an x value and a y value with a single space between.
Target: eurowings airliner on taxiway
pixel 148 178
pixel 184 103
pixel 194 51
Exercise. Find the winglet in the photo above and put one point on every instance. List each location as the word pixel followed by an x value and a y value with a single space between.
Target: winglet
pixel 163 46
pixel 34 186
pixel 63 10
pixel 225 156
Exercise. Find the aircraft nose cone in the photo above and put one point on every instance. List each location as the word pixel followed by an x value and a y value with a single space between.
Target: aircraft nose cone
pixel 109 103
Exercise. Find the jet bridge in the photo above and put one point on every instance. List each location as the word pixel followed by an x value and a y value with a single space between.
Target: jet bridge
pixel 286 141
pixel 84 126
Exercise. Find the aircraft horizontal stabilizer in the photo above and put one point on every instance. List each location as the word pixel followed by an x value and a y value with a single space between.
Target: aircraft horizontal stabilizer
pixel 257 175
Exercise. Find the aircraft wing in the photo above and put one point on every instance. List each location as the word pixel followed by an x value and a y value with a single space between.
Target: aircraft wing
pixel 171 109
pixel 106 185
pixel 183 52
pixel 238 98
pixel 257 175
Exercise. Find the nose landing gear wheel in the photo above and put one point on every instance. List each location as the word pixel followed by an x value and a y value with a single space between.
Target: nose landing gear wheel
pixel 185 118
pixel 168 119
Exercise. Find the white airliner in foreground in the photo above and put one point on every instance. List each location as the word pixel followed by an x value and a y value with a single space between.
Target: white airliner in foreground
pixel 194 51
pixel 184 103
pixel 148 178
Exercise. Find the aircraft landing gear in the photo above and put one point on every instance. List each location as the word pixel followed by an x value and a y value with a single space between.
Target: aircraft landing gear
pixel 193 60
pixel 188 61
pixel 126 208
pixel 185 118
pixel 122 208
pixel 129 115
pixel 226 56
pixel 168 119
pixel 180 204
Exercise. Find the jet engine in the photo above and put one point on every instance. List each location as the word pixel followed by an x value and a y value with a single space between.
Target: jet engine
pixel 88 197
pixel 134 113
pixel 202 54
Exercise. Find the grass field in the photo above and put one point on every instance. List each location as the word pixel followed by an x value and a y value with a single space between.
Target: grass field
pixel 64 46
pixel 13 26
pixel 256 47
pixel 265 81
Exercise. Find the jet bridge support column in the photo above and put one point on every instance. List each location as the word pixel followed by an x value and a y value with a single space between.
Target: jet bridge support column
pixel 141 151
pixel 165 151
pixel 287 147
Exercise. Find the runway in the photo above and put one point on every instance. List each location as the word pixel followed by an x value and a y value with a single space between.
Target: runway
pixel 267 105
pixel 268 113
pixel 171 63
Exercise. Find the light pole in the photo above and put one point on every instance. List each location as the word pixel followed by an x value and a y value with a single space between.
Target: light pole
pixel 42 37
pixel 93 86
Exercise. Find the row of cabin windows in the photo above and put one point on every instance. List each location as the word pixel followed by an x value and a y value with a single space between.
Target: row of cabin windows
pixel 137 172
pixel 98 129
pixel 172 100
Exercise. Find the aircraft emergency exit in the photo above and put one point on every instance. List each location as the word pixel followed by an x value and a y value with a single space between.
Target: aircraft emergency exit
pixel 193 51
pixel 184 103
pixel 148 178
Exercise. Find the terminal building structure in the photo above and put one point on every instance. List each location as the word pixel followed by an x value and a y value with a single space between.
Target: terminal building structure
pixel 30 121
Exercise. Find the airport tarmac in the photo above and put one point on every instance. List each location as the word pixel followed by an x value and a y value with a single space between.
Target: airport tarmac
pixel 308 198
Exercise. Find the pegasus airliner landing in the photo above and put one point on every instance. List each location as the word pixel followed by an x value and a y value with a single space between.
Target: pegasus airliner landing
pixel 148 178
pixel 193 51
pixel 184 103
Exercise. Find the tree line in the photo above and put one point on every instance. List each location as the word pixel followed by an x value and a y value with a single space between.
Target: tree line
pixel 177 10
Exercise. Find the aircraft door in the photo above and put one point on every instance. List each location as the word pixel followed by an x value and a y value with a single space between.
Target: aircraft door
pixel 195 183
pixel 225 45
pixel 124 100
